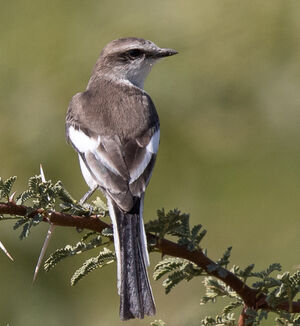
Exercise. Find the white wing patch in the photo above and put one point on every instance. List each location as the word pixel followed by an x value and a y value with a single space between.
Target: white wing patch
pixel 151 149
pixel 83 142
pixel 141 168
pixel 89 179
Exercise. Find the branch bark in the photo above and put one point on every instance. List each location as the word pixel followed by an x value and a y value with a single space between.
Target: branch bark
pixel 243 317
pixel 250 296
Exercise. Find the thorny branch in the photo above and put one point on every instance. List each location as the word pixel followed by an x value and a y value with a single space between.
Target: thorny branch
pixel 250 296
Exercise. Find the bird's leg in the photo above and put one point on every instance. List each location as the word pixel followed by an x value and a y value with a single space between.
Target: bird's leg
pixel 87 195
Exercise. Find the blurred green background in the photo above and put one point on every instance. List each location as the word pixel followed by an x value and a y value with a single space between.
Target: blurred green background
pixel 229 105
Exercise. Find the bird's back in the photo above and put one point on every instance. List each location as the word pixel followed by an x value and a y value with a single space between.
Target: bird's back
pixel 113 109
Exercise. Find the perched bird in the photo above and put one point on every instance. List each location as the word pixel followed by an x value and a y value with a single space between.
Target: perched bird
pixel 114 127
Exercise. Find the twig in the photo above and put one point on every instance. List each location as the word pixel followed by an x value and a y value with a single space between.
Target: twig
pixel 243 317
pixel 250 296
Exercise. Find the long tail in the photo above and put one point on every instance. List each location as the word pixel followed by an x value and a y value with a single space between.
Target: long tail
pixel 136 299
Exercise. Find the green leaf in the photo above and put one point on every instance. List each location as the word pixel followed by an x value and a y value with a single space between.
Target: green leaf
pixel 158 323
pixel 227 320
pixel 63 194
pixel 178 270
pixel 88 235
pixel 69 251
pixel 108 232
pixel 34 182
pixel 104 258
pixel 20 222
pixel 216 288
pixel 165 266
pixel 177 224
pixel 24 196
pixel 233 305
pixel 224 260
pixel 6 187
pixel 26 230
pixel 172 280
pixel 99 203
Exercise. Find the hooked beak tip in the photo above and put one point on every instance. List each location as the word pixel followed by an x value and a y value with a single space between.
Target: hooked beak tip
pixel 172 52
pixel 169 52
pixel 166 53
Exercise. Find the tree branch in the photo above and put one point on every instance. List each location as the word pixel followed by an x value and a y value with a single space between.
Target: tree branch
pixel 243 317
pixel 250 296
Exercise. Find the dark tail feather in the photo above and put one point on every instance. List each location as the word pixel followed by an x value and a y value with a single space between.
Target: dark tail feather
pixel 136 299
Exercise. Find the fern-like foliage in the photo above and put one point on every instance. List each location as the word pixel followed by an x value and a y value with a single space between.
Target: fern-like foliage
pixel 278 289
pixel 6 187
pixel 224 260
pixel 68 251
pixel 223 320
pixel 255 317
pixel 286 289
pixel 42 197
pixel 178 270
pixel 287 320
pixel 158 323
pixel 104 258
pixel 177 224
pixel 216 288
pixel 89 241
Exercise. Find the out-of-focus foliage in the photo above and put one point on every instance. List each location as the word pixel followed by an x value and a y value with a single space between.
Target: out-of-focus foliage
pixel 158 323
pixel 229 153
pixel 278 289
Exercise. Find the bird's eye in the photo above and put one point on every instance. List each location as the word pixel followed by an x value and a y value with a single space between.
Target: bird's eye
pixel 134 54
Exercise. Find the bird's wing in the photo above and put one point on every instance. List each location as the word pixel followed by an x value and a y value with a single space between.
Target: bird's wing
pixel 140 155
pixel 121 168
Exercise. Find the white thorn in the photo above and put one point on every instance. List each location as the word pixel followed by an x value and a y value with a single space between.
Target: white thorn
pixel 11 197
pixel 43 177
pixel 5 251
pixel 42 173
pixel 43 251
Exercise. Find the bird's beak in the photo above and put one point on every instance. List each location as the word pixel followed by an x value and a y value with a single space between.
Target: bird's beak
pixel 164 52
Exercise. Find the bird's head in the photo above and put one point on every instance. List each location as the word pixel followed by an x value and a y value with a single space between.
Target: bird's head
pixel 130 59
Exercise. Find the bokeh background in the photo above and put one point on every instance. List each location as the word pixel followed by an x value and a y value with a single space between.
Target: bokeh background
pixel 230 142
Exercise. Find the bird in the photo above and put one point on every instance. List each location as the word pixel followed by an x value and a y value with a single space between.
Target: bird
pixel 114 127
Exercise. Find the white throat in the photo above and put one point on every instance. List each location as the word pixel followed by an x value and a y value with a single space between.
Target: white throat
pixel 132 75
pixel 135 75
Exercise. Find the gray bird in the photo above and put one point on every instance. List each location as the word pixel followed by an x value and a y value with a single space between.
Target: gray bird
pixel 114 127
